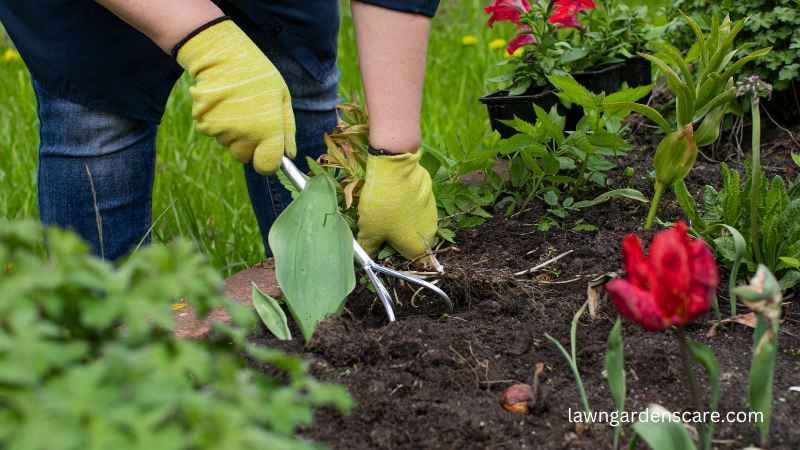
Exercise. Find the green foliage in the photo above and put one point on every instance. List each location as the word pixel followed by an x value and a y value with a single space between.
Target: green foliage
pixel 778 209
pixel 559 166
pixel 613 32
pixel 615 370
pixel 704 356
pixel 764 297
pixel 662 432
pixel 271 314
pixel 313 249
pixel 703 85
pixel 572 357
pixel 88 360
pixel 772 23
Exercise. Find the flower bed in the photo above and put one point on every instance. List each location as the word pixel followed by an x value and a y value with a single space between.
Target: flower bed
pixel 433 380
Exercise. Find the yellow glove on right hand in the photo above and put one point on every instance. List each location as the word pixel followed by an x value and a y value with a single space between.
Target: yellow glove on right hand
pixel 397 206
pixel 239 97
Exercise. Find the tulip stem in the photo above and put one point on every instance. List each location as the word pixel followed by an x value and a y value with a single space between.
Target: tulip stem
pixel 651 215
pixel 683 345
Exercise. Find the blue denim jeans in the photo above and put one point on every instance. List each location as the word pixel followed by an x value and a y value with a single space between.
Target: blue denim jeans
pixel 96 168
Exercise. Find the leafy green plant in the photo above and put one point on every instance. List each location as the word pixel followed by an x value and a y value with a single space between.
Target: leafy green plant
pixel 704 89
pixel 758 217
pixel 774 23
pixel 89 360
pixel 608 32
pixel 313 249
pixel 763 296
pixel 559 166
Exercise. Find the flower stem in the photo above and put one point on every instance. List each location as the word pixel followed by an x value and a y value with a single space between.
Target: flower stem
pixel 686 360
pixel 651 215
pixel 755 180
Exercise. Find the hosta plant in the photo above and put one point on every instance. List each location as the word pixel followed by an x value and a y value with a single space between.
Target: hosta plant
pixel 89 361
pixel 703 86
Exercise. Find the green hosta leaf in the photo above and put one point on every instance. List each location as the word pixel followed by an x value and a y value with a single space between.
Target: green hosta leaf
pixel 630 194
pixel 313 250
pixel 271 314
pixel 663 433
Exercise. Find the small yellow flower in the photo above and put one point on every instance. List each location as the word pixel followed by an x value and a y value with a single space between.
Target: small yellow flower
pixel 497 43
pixel 178 306
pixel 469 40
pixel 10 55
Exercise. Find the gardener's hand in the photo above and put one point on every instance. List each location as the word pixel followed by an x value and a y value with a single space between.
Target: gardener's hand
pixel 239 97
pixel 397 206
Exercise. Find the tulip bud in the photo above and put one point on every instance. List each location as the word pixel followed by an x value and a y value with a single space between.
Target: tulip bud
pixel 675 156
pixel 517 399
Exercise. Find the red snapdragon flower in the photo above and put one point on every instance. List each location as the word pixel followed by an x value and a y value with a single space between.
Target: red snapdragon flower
pixel 520 40
pixel 510 10
pixel 565 12
pixel 674 284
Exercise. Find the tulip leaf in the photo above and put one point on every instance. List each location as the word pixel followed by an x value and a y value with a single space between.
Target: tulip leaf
pixel 271 314
pixel 647 111
pixel 705 357
pixel 762 371
pixel 313 249
pixel 720 100
pixel 740 249
pixel 688 205
pixel 662 432
pixel 685 98
pixel 615 370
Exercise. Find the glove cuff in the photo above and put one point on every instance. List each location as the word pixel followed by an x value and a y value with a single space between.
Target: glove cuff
pixel 194 33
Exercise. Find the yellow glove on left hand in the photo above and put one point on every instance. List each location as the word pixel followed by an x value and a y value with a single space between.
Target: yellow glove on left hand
pixel 239 97
pixel 397 206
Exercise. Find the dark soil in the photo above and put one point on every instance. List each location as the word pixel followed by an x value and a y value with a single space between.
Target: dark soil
pixel 433 379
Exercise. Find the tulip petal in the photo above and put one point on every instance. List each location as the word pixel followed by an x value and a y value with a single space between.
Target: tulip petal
pixel 704 268
pixel 636 266
pixel 669 258
pixel 636 304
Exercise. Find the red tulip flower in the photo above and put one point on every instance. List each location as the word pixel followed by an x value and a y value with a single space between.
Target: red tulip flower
pixel 510 10
pixel 674 284
pixel 565 12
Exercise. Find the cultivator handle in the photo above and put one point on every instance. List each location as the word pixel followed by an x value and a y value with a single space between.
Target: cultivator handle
pixel 369 266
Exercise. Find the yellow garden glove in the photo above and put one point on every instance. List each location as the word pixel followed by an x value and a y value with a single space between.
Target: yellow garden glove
pixel 239 97
pixel 397 206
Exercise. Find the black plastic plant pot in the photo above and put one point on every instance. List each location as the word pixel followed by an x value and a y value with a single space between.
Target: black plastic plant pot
pixel 501 106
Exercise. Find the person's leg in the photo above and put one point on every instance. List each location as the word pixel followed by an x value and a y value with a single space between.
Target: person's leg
pixel 95 174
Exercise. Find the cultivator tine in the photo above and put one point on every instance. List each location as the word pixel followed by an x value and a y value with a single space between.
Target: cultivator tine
pixel 370 267
pixel 418 282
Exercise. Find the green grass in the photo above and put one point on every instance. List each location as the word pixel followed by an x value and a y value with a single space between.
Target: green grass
pixel 200 192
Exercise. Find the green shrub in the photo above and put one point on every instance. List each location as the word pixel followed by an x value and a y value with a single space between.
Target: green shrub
pixel 774 23
pixel 88 359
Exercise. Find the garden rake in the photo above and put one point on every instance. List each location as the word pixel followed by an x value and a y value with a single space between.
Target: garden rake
pixel 369 266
